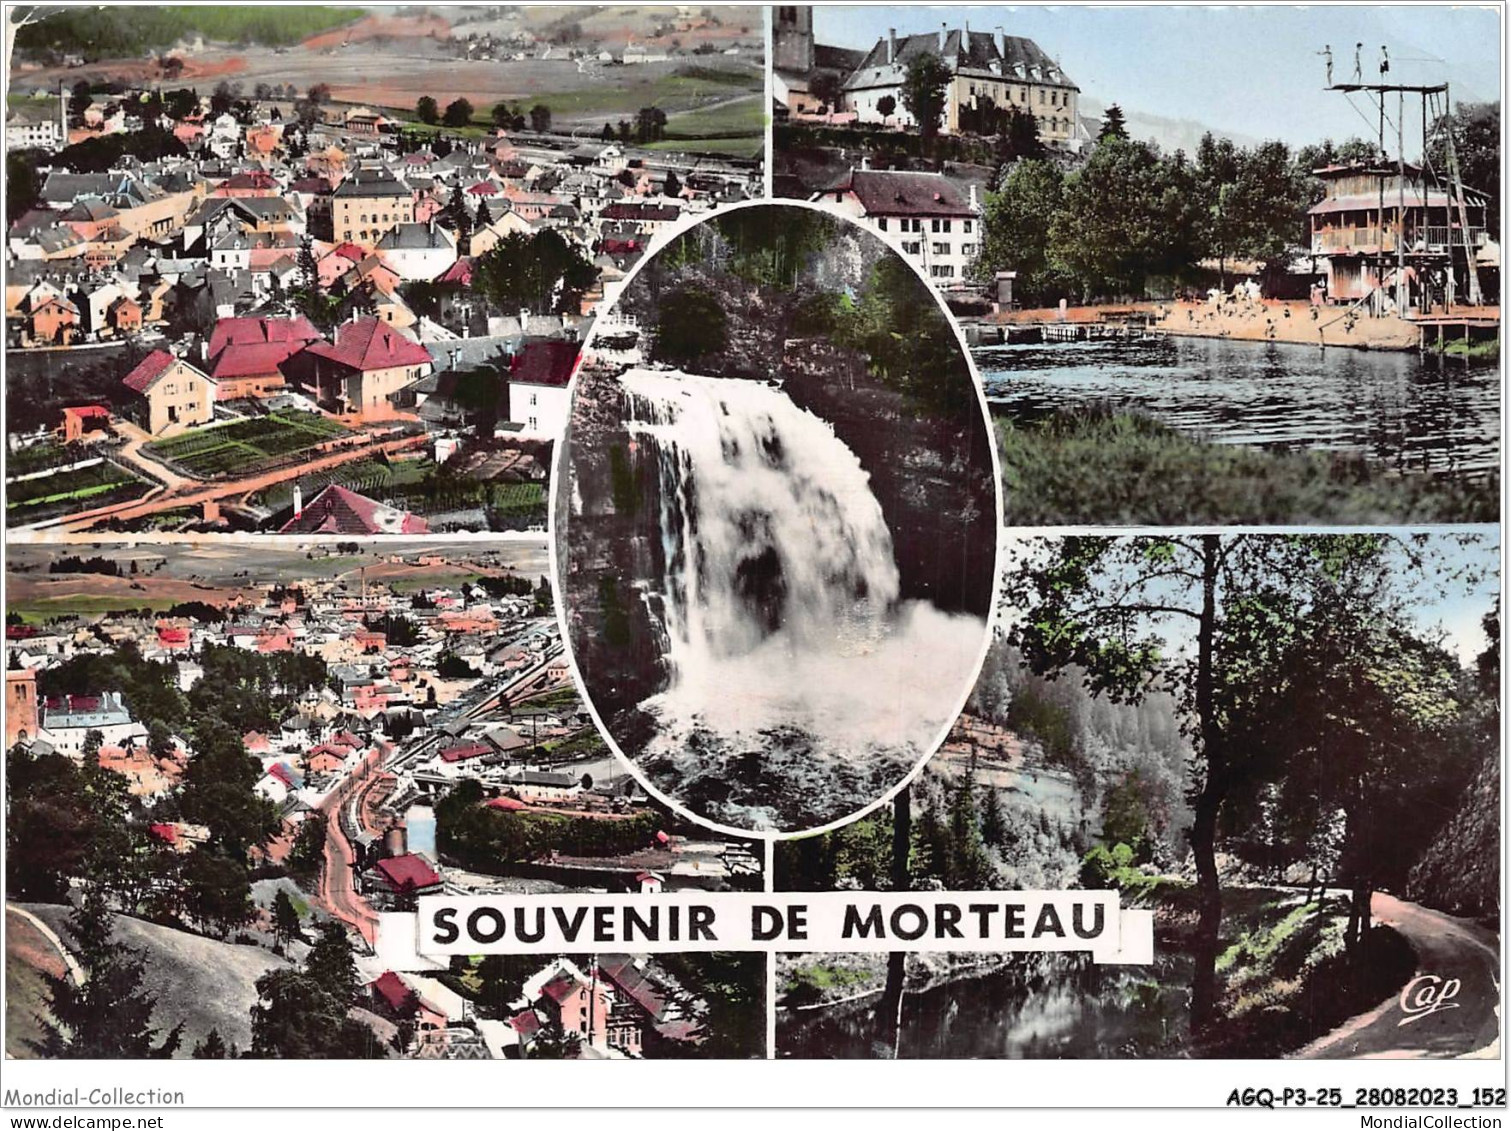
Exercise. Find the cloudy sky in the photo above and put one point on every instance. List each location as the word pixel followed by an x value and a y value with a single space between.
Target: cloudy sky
pixel 1250 70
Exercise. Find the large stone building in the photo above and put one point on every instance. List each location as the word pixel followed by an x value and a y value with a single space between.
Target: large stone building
pixel 987 70
pixel 368 205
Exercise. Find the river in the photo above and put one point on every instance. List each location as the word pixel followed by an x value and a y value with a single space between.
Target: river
pixel 1401 410
pixel 1091 1012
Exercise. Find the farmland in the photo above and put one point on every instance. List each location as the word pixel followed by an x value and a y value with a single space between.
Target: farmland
pixel 32 500
pixel 245 446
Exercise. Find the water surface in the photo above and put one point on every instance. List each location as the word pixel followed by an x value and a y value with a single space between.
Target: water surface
pixel 1399 409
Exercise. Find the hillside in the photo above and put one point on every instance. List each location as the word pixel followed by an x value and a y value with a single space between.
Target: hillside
pixel 1460 872
pixel 118 33
pixel 203 983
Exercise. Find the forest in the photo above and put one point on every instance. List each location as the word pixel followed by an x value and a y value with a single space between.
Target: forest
pixel 1262 733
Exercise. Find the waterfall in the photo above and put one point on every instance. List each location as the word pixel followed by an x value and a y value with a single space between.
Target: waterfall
pixel 794 666
pixel 767 520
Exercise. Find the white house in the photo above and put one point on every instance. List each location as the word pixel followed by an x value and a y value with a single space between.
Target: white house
pixel 418 251
pixel 938 228
pixel 67 721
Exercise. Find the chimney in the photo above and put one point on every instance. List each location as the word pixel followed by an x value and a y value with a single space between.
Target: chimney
pixel 973 199
pixel 1001 42
pixel 944 33
pixel 298 501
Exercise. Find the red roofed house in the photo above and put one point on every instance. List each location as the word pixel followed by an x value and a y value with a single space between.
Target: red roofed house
pixel 338 510
pixel 937 226
pixel 78 420
pixel 174 394
pixel 405 877
pixel 325 759
pixel 392 998
pixel 538 377
pixel 366 366
pixel 247 355
pixel 577 1005
pixel 462 751
pixel 172 636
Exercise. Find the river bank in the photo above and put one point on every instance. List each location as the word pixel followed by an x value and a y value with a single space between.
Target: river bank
pixel 1259 320
pixel 1123 468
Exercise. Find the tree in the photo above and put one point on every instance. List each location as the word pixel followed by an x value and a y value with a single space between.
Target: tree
pixel 607 133
pixel 108 1014
pixel 330 963
pixel 213 1047
pixel 540 272
pixel 1015 227
pixel 217 889
pixel 1105 609
pixel 825 86
pixel 484 216
pixel 923 92
pixel 294 1018
pixel 540 118
pixel 458 114
pixel 1475 128
pixel 23 184
pixel 308 854
pixel 1113 124
pixel 886 106
pixel 285 918
pixel 427 111
pixel 1019 129
pixel 1126 216
pixel 672 187
pixel 650 124
pixel 79 99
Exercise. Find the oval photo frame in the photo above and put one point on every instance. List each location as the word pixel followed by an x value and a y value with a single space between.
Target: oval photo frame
pixel 754 599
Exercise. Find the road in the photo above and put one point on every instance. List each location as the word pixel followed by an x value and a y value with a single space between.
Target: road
pixel 71 964
pixel 336 891
pixel 196 494
pixel 1466 1022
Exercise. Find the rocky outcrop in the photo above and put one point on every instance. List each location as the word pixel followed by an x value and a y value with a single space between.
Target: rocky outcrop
pixel 932 475
pixel 1460 871
pixel 609 551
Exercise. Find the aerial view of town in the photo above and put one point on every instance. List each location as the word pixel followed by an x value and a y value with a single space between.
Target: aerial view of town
pixel 234 759
pixel 328 273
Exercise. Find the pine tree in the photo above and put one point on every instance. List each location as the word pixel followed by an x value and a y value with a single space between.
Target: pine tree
pixel 993 820
pixel 285 918
pixel 331 965
pixel 1113 124
pixel 108 1014
pixel 484 216
pixel 211 1048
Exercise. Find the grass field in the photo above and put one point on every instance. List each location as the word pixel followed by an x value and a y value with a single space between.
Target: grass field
pixel 742 118
pixel 42 609
pixel 1123 469
pixel 228 449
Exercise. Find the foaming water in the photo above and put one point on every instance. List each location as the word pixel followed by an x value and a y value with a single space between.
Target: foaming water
pixel 800 686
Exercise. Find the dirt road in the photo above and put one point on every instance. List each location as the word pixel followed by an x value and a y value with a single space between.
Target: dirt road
pixel 337 890
pixel 195 494
pixel 1450 1008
